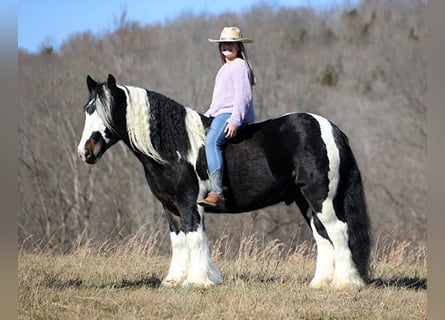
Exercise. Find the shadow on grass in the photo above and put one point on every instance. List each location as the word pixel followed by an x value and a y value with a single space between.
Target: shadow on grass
pixel 77 283
pixel 415 283
pixel 150 282
pixel 411 283
pixel 55 283
pixel 257 278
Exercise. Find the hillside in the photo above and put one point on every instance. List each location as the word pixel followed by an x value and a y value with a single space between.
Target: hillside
pixel 364 69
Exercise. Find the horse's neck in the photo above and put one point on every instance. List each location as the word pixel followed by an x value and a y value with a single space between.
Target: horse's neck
pixel 161 128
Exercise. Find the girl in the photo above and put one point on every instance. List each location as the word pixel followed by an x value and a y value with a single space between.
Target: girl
pixel 231 107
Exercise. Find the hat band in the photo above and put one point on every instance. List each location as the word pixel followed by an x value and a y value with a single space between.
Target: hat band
pixel 229 38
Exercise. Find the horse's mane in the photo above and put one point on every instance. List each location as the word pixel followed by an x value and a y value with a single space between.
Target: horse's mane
pixel 168 130
pixel 104 102
pixel 158 126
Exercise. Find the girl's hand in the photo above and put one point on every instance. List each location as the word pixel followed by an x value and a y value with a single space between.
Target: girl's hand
pixel 230 131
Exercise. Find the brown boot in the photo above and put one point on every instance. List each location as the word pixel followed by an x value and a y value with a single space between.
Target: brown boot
pixel 213 200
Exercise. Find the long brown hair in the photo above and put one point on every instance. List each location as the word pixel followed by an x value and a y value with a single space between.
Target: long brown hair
pixel 242 54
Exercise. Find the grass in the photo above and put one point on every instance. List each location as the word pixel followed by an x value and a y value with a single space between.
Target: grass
pixel 262 282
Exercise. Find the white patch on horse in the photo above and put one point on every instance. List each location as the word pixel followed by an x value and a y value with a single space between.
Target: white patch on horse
pixel 93 123
pixel 179 264
pixel 286 114
pixel 324 270
pixel 138 122
pixel 346 273
pixel 196 135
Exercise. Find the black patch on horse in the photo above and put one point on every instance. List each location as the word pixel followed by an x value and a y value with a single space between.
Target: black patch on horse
pixel 168 132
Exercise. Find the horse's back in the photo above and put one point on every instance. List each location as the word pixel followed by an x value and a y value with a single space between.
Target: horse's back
pixel 267 160
pixel 279 139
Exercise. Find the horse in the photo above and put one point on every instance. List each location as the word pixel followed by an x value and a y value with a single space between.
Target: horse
pixel 299 158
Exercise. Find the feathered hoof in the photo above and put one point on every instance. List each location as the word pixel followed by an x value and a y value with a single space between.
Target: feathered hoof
pixel 198 285
pixel 205 282
pixel 321 283
pixel 353 283
pixel 170 283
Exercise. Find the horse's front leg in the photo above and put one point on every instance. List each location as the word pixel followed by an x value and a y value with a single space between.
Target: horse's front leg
pixel 201 271
pixel 179 264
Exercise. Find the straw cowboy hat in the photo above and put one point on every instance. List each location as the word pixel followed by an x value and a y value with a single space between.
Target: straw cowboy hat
pixel 231 34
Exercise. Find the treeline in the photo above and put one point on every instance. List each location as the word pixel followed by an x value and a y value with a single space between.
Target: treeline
pixel 363 68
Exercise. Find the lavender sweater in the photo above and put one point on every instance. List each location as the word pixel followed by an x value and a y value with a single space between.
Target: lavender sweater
pixel 233 93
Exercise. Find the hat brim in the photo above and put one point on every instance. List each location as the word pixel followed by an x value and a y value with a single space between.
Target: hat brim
pixel 243 40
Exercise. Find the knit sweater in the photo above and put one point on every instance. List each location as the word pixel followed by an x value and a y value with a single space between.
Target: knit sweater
pixel 233 93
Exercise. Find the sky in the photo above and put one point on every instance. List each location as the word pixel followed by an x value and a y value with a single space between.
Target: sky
pixel 51 22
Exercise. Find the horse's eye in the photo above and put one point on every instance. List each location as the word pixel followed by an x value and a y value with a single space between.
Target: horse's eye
pixel 90 107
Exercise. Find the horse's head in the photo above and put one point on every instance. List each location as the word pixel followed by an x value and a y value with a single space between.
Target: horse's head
pixel 97 134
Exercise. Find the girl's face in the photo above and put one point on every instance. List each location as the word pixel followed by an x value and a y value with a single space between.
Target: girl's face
pixel 229 50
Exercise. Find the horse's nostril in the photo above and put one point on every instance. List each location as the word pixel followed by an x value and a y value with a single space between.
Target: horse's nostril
pixel 81 155
pixel 88 154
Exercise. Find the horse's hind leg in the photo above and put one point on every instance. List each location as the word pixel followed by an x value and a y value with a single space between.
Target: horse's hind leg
pixel 335 266
pixel 320 189
pixel 346 274
pixel 324 270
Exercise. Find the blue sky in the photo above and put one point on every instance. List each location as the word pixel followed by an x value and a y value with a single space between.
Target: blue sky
pixel 51 22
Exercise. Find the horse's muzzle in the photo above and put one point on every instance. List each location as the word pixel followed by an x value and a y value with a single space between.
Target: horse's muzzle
pixel 91 152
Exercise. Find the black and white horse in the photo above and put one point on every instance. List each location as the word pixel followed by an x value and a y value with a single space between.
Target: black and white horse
pixel 297 158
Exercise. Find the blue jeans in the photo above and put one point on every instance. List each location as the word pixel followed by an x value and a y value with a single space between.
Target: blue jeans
pixel 215 142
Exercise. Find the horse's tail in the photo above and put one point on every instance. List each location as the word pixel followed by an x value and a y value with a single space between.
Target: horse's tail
pixel 350 203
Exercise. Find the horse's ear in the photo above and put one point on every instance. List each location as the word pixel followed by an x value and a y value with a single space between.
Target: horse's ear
pixel 111 82
pixel 91 84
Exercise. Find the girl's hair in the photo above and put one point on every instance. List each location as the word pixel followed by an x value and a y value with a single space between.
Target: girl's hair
pixel 243 55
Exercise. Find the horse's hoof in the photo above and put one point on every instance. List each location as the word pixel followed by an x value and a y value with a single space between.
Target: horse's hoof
pixel 170 283
pixel 347 284
pixel 320 283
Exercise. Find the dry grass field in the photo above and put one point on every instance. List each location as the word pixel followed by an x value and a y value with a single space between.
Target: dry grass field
pixel 262 282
